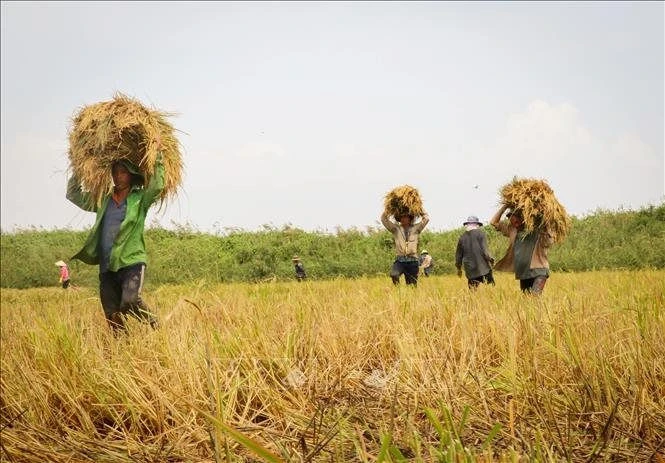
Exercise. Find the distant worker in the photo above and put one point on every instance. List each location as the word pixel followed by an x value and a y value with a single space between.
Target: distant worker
pixel 299 268
pixel 405 235
pixel 474 255
pixel 426 262
pixel 527 252
pixel 64 274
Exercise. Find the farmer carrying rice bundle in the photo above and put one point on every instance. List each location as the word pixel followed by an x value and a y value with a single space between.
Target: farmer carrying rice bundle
pixel 404 205
pixel 123 157
pixel 536 220
pixel 122 129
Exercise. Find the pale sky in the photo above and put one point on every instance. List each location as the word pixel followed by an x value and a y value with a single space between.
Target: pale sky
pixel 309 113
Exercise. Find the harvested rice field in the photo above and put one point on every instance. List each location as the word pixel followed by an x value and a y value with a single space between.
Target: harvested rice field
pixel 341 371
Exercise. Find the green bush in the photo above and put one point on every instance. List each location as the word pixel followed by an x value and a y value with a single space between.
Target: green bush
pixel 603 240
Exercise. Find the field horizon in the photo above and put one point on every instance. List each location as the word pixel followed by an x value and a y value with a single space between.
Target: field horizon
pixel 605 240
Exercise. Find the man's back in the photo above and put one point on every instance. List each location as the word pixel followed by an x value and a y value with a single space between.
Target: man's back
pixel 472 252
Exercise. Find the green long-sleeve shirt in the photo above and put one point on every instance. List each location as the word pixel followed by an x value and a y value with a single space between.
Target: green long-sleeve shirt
pixel 129 245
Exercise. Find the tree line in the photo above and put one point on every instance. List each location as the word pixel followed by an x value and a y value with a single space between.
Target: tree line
pixel 602 240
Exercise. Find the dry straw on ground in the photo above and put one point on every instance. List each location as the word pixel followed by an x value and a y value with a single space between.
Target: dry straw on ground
pixel 340 371
pixel 404 200
pixel 122 128
pixel 538 206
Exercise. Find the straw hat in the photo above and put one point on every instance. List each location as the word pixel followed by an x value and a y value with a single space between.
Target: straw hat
pixel 60 264
pixel 295 258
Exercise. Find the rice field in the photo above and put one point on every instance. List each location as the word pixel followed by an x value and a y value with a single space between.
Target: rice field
pixel 341 371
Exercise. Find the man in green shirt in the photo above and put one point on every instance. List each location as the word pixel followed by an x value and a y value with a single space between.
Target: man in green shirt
pixel 116 240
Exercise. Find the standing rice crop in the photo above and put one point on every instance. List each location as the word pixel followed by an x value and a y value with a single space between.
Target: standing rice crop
pixel 535 201
pixel 122 128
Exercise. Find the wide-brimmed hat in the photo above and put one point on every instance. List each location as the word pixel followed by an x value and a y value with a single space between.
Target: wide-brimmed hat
pixel 424 251
pixel 472 219
pixel 60 264
pixel 295 258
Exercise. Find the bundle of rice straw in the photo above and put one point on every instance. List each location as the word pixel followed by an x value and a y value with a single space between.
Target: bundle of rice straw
pixel 122 129
pixel 539 208
pixel 403 200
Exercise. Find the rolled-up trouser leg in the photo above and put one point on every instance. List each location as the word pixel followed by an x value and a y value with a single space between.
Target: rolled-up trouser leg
pixel 131 282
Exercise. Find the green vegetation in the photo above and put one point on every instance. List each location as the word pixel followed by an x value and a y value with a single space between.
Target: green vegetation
pixel 604 240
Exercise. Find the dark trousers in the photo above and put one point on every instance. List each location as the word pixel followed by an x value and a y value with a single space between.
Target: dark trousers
pixel 120 293
pixel 409 269
pixel 533 285
pixel 475 282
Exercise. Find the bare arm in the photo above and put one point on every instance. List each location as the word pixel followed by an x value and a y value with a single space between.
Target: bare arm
pixel 385 220
pixel 503 227
pixel 497 217
pixel 423 222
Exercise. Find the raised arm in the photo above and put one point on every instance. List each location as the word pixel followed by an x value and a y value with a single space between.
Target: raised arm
pixel 503 227
pixel 496 219
pixel 156 184
pixel 423 222
pixel 385 220
pixel 77 196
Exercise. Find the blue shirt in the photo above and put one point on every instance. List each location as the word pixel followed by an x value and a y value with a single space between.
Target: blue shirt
pixel 113 217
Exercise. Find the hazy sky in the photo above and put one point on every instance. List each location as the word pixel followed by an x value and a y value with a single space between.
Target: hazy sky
pixel 309 113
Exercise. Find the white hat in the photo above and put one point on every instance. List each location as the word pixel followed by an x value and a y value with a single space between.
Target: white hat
pixel 473 219
pixel 60 264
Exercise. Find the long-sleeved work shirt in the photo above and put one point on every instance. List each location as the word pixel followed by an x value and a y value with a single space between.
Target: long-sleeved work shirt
pixel 129 245
pixel 472 252
pixel 406 239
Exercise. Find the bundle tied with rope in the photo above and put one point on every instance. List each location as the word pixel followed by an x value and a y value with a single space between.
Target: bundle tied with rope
pixel 122 128
pixel 539 208
pixel 403 200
